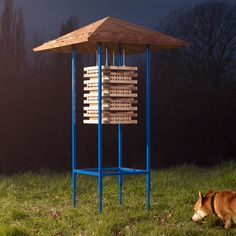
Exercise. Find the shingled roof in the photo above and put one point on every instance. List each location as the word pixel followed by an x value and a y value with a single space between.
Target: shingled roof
pixel 111 31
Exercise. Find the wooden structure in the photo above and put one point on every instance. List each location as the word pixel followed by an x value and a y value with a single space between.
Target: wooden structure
pixel 111 91
pixel 112 32
pixel 119 93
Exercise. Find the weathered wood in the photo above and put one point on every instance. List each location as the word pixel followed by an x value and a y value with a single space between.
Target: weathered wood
pixel 110 108
pixel 111 31
pixel 123 80
pixel 113 118
pixel 118 94
pixel 118 68
pixel 111 76
pixel 108 94
pixel 110 122
pixel 110 87
pixel 111 100
pixel 110 114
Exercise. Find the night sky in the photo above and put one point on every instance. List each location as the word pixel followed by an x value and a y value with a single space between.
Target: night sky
pixel 45 16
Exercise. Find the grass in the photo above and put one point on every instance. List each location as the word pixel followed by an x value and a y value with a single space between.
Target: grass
pixel 41 203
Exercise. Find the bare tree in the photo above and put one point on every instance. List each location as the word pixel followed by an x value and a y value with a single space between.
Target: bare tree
pixel 69 25
pixel 211 27
pixel 12 35
pixel 7 38
pixel 19 41
pixel 197 83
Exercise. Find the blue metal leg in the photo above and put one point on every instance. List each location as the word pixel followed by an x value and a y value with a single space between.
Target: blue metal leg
pixel 100 125
pixel 120 160
pixel 74 124
pixel 148 138
pixel 74 188
pixel 120 136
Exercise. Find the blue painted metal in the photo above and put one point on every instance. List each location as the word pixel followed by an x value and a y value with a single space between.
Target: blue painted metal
pixel 99 46
pixel 148 138
pixel 87 172
pixel 120 144
pixel 110 171
pixel 73 117
pixel 120 173
pixel 103 169
pixel 116 171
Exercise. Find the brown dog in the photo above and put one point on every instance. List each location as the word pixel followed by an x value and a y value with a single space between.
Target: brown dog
pixel 222 204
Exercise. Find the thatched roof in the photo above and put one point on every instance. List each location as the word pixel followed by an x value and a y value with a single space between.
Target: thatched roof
pixel 111 31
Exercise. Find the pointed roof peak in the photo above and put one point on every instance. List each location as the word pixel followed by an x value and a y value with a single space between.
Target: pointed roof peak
pixel 110 31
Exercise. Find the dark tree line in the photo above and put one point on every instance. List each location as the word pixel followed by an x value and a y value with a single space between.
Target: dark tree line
pixel 13 64
pixel 198 84
pixel 35 98
pixel 193 96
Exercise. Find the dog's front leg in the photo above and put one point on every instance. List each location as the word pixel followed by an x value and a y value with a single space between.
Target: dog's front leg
pixel 227 222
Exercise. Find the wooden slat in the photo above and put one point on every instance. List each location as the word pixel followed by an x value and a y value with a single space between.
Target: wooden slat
pixel 95 68
pixel 107 94
pixel 107 108
pixel 111 100
pixel 95 116
pixel 112 74
pixel 118 113
pixel 107 80
pixel 110 122
pixel 111 87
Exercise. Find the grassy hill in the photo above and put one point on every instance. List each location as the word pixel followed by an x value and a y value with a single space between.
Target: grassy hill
pixel 41 203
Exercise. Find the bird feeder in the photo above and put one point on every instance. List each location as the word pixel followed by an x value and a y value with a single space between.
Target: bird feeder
pixel 111 91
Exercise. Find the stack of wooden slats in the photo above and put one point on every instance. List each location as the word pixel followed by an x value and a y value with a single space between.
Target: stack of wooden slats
pixel 119 95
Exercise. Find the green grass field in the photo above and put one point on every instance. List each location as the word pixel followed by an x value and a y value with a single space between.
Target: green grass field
pixel 40 203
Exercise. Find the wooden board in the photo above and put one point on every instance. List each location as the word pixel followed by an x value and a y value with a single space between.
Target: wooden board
pixel 108 108
pixel 108 113
pixel 112 74
pixel 111 31
pixel 110 122
pixel 115 118
pixel 113 80
pixel 111 100
pixel 111 68
pixel 108 94
pixel 110 87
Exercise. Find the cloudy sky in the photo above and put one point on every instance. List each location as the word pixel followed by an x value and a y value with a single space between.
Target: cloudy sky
pixel 47 15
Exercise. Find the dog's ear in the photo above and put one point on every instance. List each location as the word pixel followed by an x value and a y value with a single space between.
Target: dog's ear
pixel 200 195
pixel 200 198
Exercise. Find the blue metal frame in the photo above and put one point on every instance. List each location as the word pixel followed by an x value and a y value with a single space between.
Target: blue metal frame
pixel 116 171
pixel 73 119
pixel 120 144
pixel 148 137
pixel 111 171
pixel 99 47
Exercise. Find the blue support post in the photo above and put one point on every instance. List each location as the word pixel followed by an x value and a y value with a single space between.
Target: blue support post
pixel 148 138
pixel 73 117
pixel 120 135
pixel 99 46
